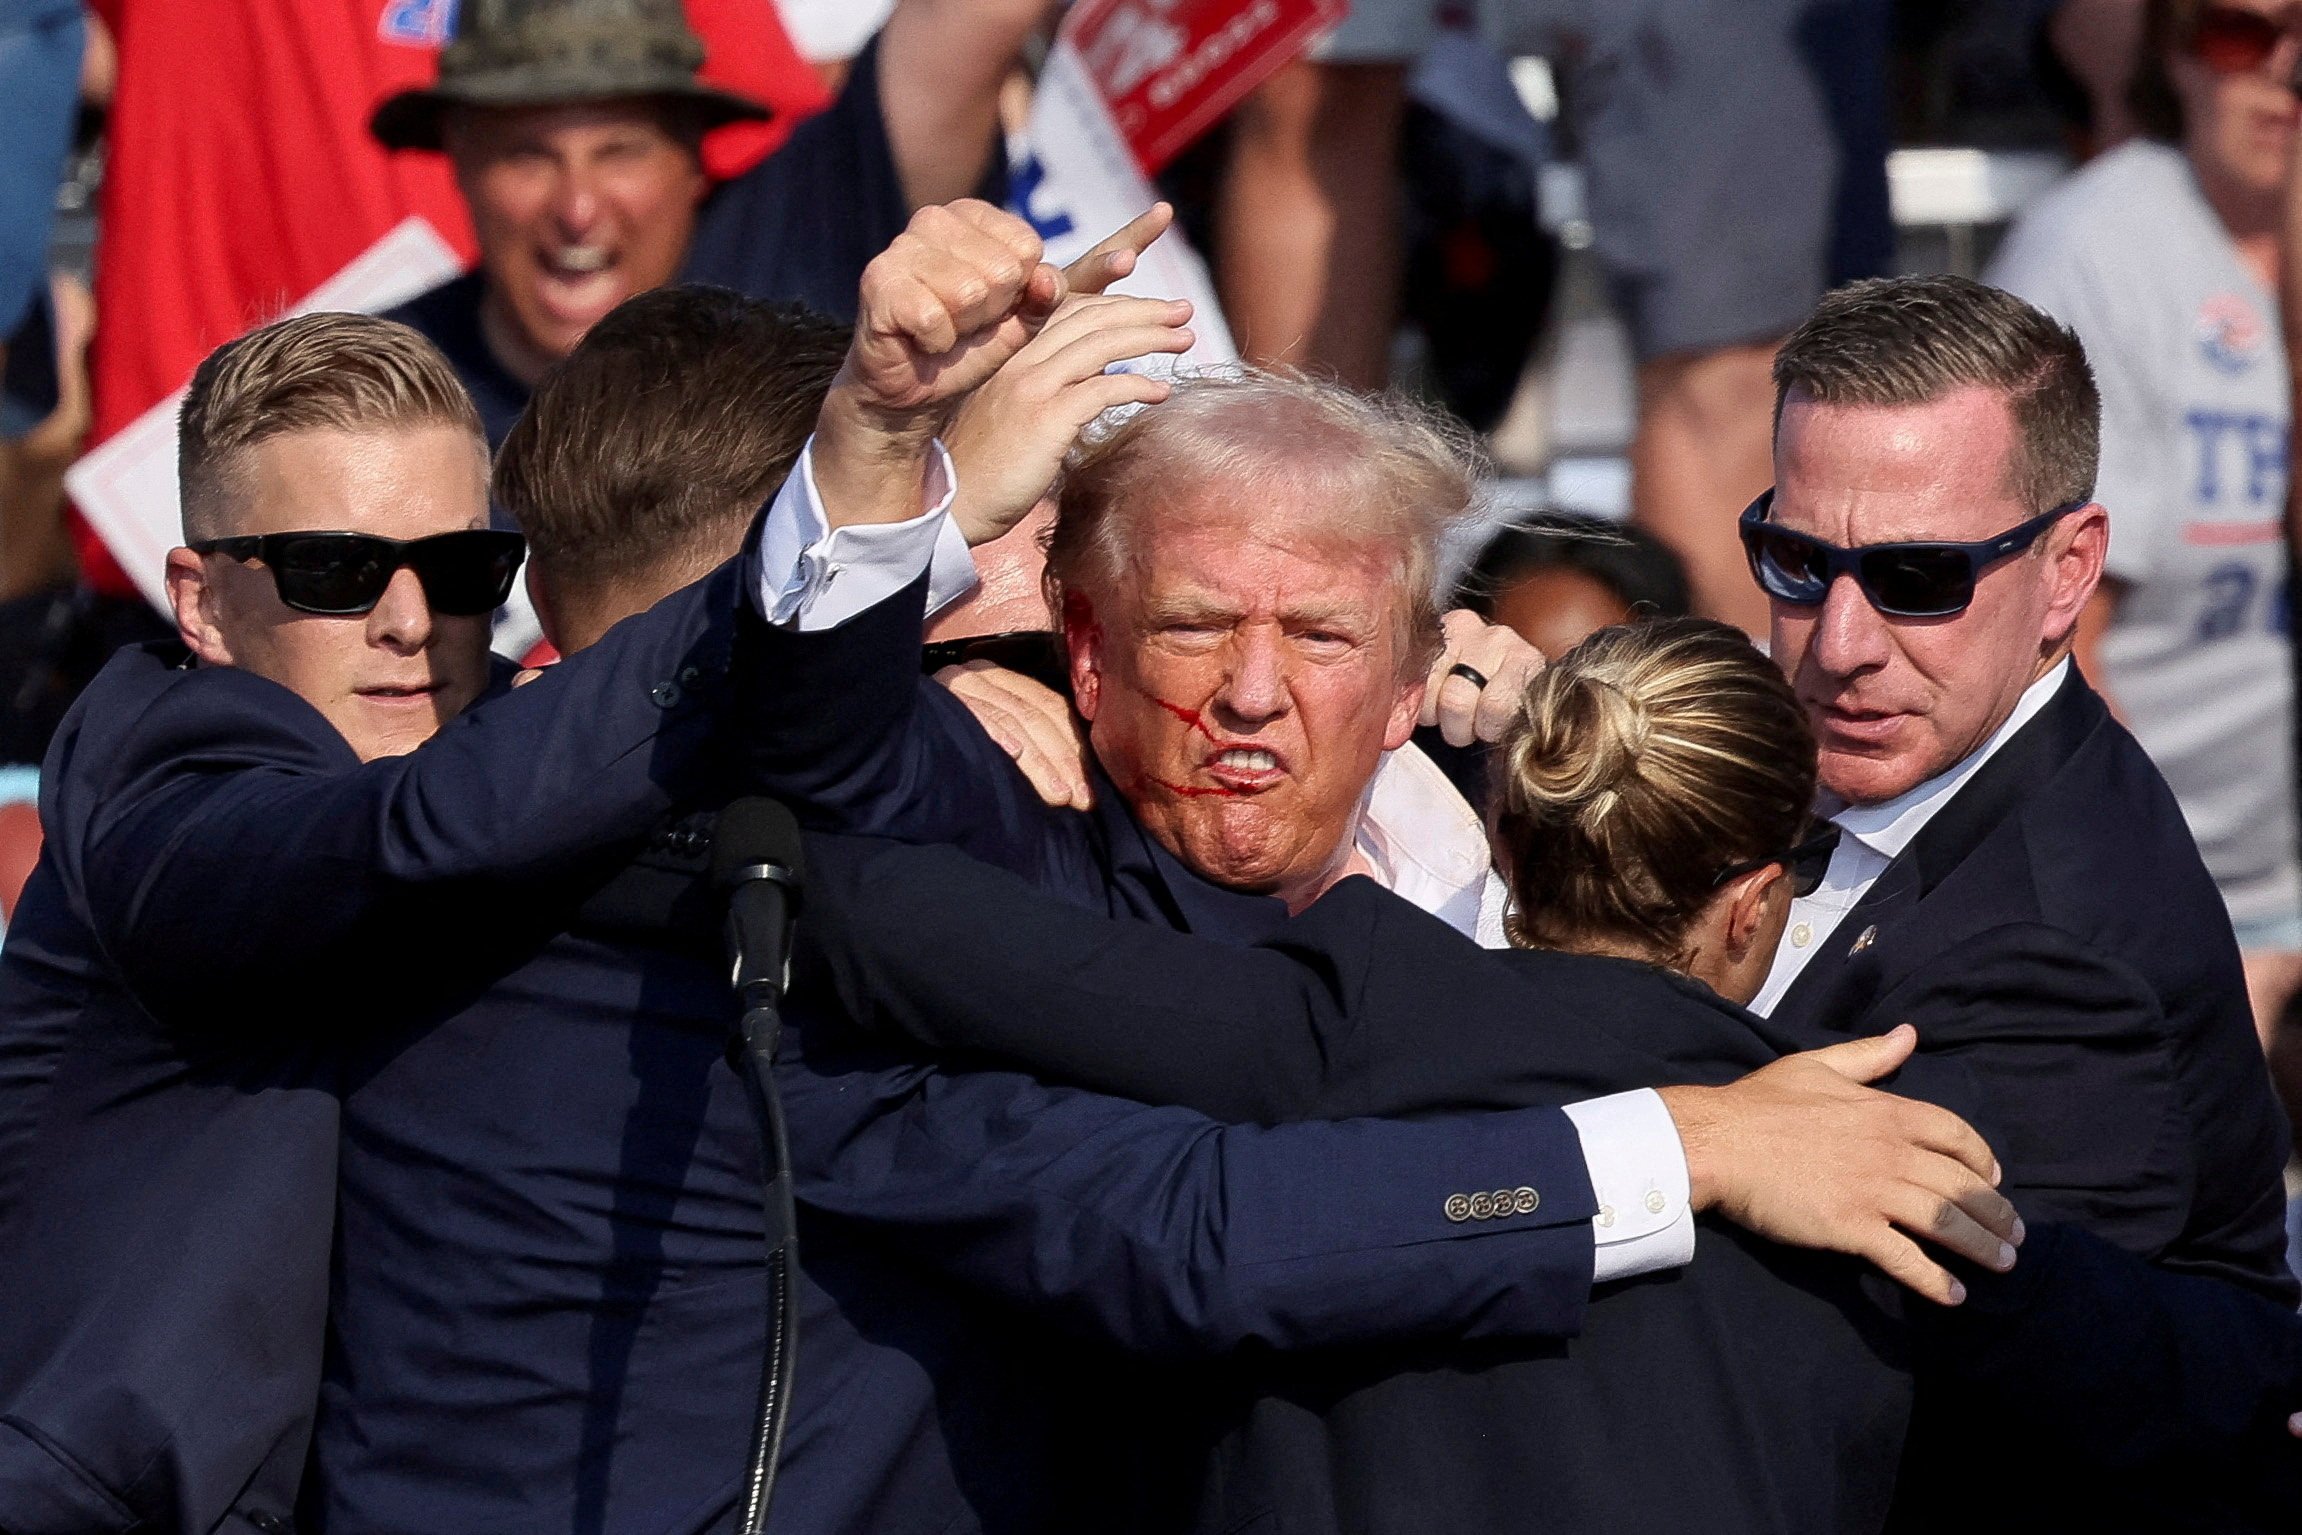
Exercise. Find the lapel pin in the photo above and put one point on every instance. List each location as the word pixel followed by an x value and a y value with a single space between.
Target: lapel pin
pixel 1869 937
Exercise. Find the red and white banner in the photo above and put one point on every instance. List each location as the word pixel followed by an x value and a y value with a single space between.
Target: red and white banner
pixel 1169 69
pixel 1127 85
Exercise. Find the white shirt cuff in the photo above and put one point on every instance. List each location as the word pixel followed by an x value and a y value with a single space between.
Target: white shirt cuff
pixel 1638 1170
pixel 951 575
pixel 813 576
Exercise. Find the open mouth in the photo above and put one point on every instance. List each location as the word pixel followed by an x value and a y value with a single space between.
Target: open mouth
pixel 578 260
pixel 1245 769
pixel 580 282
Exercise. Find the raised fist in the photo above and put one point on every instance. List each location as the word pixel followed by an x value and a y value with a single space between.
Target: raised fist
pixel 958 293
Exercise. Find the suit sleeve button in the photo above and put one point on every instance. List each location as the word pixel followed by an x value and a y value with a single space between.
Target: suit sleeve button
pixel 1458 1207
pixel 664 695
pixel 1525 1201
pixel 1482 1206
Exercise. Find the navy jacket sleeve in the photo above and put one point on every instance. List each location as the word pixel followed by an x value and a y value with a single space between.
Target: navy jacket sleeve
pixel 840 723
pixel 224 767
pixel 1335 1012
pixel 2162 1379
pixel 922 943
pixel 1165 1233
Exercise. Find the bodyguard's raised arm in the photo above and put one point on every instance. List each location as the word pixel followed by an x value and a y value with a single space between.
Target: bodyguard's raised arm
pixel 234 846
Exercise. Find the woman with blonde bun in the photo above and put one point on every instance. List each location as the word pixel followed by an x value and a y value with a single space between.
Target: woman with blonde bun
pixel 1656 804
pixel 1652 818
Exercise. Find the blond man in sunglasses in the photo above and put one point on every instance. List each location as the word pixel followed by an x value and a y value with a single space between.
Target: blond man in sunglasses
pixel 333 468
pixel 249 865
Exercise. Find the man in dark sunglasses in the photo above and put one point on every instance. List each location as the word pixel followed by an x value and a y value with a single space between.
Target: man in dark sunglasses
pixel 2012 876
pixel 355 568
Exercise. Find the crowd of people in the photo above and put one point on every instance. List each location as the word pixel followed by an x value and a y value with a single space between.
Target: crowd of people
pixel 1307 1011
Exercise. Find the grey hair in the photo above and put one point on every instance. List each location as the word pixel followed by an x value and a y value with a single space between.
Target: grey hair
pixel 1380 466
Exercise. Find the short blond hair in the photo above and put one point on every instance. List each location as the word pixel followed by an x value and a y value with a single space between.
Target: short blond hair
pixel 341 372
pixel 1382 465
pixel 1649 758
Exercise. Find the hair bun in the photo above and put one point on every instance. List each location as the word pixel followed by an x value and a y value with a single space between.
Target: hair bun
pixel 1648 758
pixel 1580 748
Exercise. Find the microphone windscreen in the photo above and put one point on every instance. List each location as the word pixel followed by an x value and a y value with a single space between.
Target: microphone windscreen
pixel 751 832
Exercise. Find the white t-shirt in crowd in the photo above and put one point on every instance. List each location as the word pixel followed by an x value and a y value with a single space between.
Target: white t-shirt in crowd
pixel 825 31
pixel 2185 345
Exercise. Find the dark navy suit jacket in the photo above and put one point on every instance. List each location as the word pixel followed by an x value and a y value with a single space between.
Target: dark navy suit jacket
pixel 231 913
pixel 2053 931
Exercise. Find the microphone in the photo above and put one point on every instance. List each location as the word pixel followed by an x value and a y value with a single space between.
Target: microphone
pixel 755 862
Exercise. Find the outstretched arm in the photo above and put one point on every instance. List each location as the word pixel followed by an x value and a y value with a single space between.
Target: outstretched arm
pixel 925 943
pixel 946 61
pixel 380 869
pixel 834 714
pixel 1165 1233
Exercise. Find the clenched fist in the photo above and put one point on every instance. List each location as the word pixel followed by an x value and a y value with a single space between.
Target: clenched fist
pixel 958 294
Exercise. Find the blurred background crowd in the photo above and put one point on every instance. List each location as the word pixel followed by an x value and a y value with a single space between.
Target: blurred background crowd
pixel 1581 225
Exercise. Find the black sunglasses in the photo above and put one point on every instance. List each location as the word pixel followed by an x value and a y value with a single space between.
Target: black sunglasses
pixel 1035 653
pixel 1922 580
pixel 341 575
pixel 1807 863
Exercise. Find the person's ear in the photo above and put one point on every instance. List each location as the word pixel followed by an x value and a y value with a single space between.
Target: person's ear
pixel 2075 550
pixel 193 599
pixel 1751 900
pixel 1083 642
pixel 1406 713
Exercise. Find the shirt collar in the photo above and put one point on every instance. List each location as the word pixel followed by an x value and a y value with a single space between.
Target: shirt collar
pixel 1891 826
pixel 1422 838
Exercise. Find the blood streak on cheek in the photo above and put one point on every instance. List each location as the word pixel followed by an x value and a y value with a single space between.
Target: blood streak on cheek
pixel 1188 716
pixel 1197 791
pixel 1197 721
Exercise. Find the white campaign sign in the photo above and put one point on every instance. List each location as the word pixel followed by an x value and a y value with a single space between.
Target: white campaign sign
pixel 1075 180
pixel 126 487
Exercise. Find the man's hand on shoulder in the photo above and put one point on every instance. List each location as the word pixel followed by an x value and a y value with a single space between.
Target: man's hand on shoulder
pixel 1032 723
pixel 958 294
pixel 1802 1153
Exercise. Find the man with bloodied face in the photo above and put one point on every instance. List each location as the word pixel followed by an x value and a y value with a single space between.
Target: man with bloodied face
pixel 1244 672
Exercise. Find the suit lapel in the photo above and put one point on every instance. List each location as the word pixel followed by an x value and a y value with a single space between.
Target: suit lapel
pixel 1847 968
pixel 1839 983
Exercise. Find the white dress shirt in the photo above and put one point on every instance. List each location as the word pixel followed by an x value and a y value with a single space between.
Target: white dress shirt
pixel 1873 836
pixel 1417 833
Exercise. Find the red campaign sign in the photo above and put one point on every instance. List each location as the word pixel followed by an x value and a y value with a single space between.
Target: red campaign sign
pixel 1168 69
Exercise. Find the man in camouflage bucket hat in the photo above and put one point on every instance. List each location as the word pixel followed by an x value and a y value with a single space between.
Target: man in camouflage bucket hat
pixel 575 128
